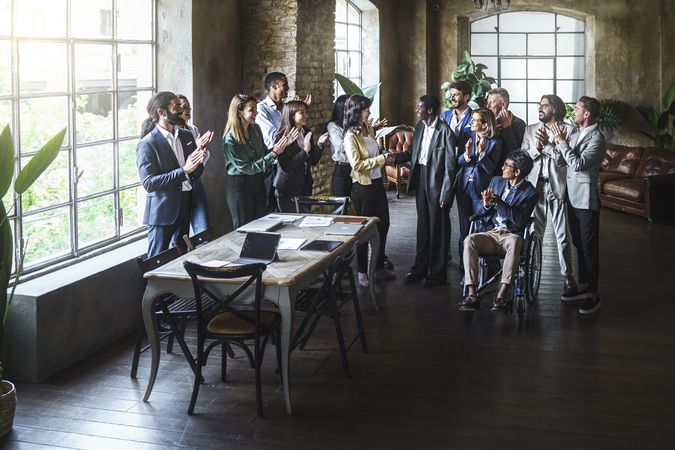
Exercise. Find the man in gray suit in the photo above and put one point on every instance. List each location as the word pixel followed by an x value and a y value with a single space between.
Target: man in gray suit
pixel 583 154
pixel 550 181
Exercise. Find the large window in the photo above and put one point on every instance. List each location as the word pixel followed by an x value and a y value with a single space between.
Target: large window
pixel 87 65
pixel 348 31
pixel 532 54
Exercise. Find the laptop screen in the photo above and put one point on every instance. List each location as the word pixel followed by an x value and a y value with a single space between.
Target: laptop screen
pixel 260 245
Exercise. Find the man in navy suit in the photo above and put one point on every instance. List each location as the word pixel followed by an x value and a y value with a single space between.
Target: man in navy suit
pixel 459 115
pixel 509 202
pixel 170 164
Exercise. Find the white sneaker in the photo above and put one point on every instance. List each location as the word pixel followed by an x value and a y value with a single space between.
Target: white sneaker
pixel 363 279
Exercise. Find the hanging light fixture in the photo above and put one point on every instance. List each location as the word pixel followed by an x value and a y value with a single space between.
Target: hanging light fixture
pixel 499 5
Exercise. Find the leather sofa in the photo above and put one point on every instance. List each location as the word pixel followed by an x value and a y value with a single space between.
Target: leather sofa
pixel 398 141
pixel 638 180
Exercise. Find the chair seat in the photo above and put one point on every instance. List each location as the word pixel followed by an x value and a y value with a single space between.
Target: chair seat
pixel 229 324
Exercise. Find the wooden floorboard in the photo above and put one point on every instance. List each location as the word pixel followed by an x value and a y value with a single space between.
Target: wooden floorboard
pixel 434 378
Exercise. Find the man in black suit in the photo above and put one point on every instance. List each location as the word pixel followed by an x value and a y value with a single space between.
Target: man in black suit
pixel 511 129
pixel 432 176
pixel 509 202
pixel 170 164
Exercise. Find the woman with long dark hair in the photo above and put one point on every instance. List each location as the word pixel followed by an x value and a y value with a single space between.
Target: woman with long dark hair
pixel 341 181
pixel 294 177
pixel 370 199
pixel 246 160
pixel 477 165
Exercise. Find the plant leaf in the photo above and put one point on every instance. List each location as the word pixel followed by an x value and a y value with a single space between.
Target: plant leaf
pixel 669 97
pixel 370 91
pixel 6 252
pixel 39 163
pixel 6 160
pixel 348 85
pixel 662 121
pixel 467 56
pixel 481 66
pixel 445 86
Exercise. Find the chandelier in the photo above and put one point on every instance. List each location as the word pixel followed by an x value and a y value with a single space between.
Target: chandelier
pixel 496 4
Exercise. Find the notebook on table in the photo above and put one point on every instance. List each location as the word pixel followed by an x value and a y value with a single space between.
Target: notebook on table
pixel 260 225
pixel 259 247
pixel 343 229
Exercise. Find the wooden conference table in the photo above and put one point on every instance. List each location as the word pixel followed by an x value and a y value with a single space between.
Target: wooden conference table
pixel 295 269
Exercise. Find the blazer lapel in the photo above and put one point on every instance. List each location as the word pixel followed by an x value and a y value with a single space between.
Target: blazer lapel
pixel 164 146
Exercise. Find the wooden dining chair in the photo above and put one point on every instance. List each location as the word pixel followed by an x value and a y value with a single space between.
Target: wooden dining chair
pixel 333 205
pixel 197 240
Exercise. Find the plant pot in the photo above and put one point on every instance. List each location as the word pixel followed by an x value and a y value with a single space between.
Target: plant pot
pixel 7 406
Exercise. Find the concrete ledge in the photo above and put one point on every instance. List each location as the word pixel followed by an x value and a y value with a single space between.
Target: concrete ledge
pixel 64 316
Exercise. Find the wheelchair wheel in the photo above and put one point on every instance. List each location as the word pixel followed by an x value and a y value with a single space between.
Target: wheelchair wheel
pixel 532 269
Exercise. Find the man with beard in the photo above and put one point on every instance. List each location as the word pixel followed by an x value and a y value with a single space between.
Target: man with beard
pixel 510 128
pixel 550 180
pixel 432 176
pixel 170 164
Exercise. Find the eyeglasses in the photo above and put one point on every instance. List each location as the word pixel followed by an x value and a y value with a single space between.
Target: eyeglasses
pixel 542 106
pixel 510 166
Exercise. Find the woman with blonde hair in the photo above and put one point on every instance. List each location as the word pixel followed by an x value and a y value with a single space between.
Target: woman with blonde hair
pixel 246 159
pixel 370 199
pixel 477 165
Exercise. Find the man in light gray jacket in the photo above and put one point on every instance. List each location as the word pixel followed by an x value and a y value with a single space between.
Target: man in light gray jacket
pixel 582 153
pixel 550 181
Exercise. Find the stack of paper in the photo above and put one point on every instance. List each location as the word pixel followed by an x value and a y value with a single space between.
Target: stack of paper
pixel 316 221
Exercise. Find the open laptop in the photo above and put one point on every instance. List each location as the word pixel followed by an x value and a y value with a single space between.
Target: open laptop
pixel 258 248
pixel 343 229
pixel 262 224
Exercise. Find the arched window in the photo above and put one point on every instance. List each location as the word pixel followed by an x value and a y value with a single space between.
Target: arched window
pixel 530 54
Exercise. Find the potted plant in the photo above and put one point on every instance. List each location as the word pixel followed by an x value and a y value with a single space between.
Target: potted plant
pixel 38 164
pixel 474 74
pixel 660 121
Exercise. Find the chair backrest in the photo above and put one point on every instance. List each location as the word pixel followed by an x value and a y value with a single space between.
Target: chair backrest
pixel 147 264
pixel 337 205
pixel 198 239
pixel 399 141
pixel 199 273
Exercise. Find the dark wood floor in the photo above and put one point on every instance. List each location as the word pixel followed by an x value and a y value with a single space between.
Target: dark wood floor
pixel 432 380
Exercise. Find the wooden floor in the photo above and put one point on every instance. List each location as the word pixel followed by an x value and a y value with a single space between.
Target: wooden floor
pixel 433 379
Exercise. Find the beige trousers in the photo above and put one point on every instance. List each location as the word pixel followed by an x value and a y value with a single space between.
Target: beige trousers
pixel 493 242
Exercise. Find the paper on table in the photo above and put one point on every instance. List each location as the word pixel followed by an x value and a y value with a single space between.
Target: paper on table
pixel 283 218
pixel 214 263
pixel 316 221
pixel 290 243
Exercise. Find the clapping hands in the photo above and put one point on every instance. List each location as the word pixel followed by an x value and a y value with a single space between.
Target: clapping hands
pixel 559 132
pixel 489 197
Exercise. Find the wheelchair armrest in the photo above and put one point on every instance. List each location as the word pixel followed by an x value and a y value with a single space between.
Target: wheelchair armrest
pixel 479 216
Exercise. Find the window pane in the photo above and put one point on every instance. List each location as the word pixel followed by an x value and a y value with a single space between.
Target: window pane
pixel 5 67
pixel 570 91
pixel 134 19
pixel 487 24
pixel 41 119
pixel 48 235
pixel 51 188
pixel 93 67
pixel 340 37
pixel 513 68
pixel 95 220
pixel 537 88
pixel 518 109
pixel 135 66
pixel 93 118
pixel 531 21
pixel 5 18
pixel 353 14
pixel 127 156
pixel 132 203
pixel 490 62
pixel 342 63
pixel 516 89
pixel 569 24
pixel 541 44
pixel 95 169
pixel 341 10
pixel 570 44
pixel 512 44
pixel 540 68
pixel 532 112
pixel 43 67
pixel 40 18
pixel 483 44
pixel 354 37
pixel 91 18
pixel 6 115
pixel 355 65
pixel 131 112
pixel 570 67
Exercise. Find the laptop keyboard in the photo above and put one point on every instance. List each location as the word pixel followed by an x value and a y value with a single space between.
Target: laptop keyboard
pixel 243 261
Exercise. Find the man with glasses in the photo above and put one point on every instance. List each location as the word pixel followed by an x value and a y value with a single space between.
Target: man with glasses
pixel 582 153
pixel 550 181
pixel 508 201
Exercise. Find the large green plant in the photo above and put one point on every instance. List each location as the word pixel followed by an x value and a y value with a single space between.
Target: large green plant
pixel 660 120
pixel 352 88
pixel 475 75
pixel 38 164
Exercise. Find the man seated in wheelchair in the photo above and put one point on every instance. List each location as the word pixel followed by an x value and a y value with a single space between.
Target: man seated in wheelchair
pixel 508 202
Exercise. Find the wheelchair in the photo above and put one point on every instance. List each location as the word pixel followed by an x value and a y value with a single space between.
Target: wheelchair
pixel 526 280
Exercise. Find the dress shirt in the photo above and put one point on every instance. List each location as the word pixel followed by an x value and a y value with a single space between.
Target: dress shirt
pixel 454 123
pixel 269 119
pixel 177 148
pixel 583 132
pixel 499 220
pixel 337 142
pixel 426 142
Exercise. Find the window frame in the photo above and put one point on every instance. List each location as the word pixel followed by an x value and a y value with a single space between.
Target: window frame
pixel 357 79
pixel 77 249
